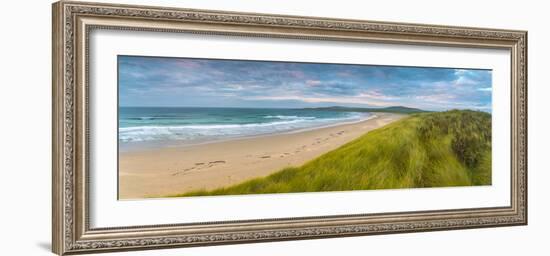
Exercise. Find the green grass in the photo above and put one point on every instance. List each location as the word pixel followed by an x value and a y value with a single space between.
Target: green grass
pixel 440 149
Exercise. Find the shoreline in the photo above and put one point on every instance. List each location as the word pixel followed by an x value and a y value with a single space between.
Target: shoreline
pixel 155 145
pixel 164 171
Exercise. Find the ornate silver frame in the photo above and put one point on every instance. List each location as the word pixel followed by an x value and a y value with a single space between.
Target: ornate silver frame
pixel 72 22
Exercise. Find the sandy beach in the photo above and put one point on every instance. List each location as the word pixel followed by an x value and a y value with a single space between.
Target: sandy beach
pixel 173 170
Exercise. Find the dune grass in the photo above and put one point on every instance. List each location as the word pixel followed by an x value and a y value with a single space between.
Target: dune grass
pixel 440 149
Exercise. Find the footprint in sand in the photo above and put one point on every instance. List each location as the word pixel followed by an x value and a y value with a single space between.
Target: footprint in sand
pixel 214 163
pixel 182 171
pixel 265 157
pixel 199 166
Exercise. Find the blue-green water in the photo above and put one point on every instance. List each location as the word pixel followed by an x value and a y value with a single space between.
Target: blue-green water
pixel 198 125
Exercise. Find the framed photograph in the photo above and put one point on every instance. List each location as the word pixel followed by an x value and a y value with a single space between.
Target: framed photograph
pixel 179 127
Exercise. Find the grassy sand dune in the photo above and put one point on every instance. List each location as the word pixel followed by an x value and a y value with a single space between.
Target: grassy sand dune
pixel 441 149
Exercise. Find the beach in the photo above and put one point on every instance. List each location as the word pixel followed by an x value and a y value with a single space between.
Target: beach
pixel 165 171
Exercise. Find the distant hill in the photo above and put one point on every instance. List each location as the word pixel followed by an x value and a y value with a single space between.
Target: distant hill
pixel 393 109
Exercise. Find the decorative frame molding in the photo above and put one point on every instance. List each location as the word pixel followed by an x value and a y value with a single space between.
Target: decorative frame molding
pixel 72 23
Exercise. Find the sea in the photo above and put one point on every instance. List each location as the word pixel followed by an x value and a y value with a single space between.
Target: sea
pixel 156 126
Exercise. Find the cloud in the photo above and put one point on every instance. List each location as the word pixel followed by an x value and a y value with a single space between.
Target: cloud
pixel 376 95
pixel 233 87
pixel 440 98
pixel 487 89
pixel 371 98
pixel 188 63
pixel 313 82
pixel 297 74
pixel 154 81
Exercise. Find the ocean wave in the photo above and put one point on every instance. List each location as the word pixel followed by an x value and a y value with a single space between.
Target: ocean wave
pixel 205 132
pixel 208 126
pixel 146 118
pixel 290 117
pixel 142 118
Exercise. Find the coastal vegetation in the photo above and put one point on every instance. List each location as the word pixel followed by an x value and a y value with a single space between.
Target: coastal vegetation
pixel 425 149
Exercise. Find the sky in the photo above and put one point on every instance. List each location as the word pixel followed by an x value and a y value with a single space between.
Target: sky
pixel 186 82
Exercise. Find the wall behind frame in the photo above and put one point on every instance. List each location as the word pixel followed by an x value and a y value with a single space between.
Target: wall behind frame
pixel 25 133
